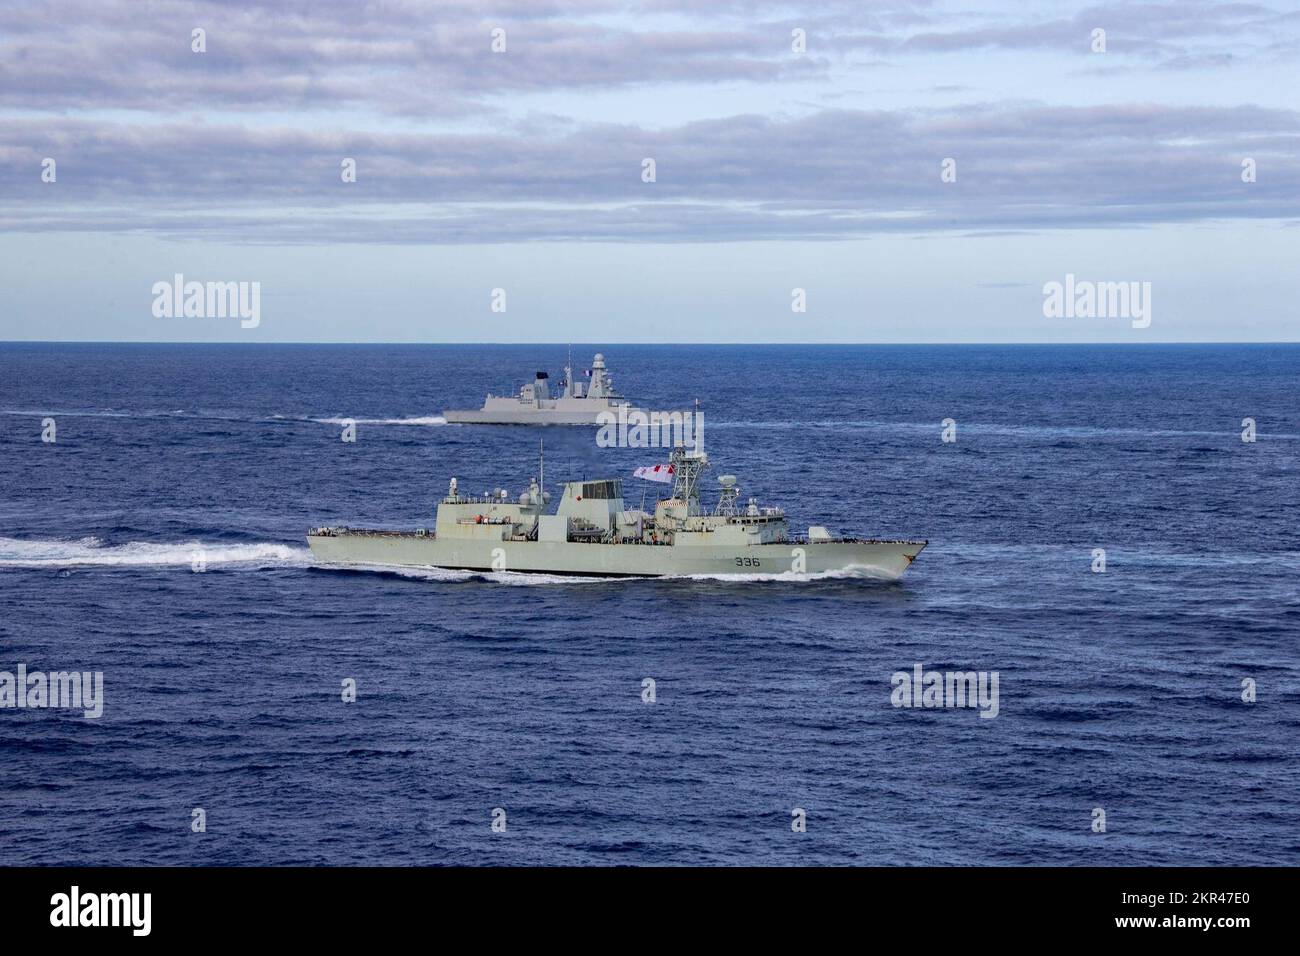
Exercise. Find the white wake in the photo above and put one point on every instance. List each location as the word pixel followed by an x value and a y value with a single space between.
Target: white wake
pixel 20 553
pixel 91 552
pixel 428 420
pixel 538 578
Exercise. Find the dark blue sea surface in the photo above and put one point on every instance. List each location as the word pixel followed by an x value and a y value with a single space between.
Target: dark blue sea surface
pixel 1119 690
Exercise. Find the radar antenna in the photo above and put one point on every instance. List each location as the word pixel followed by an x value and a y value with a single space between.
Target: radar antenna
pixel 687 468
pixel 727 498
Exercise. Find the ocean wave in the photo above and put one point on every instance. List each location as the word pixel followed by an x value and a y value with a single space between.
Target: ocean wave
pixel 91 551
pixel 428 420
pixel 539 578
pixel 106 413
pixel 853 573
pixel 1045 432
pixel 1134 554
pixel 447 575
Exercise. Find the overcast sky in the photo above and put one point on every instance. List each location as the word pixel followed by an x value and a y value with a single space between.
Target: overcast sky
pixel 775 169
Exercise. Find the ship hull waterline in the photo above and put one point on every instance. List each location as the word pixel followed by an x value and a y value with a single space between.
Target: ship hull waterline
pixel 877 559
pixel 544 416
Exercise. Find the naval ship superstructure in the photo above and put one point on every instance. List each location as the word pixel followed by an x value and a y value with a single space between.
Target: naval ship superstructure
pixel 593 532
pixel 572 404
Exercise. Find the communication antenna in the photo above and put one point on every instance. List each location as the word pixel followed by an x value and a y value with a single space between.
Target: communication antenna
pixel 541 464
pixel 697 426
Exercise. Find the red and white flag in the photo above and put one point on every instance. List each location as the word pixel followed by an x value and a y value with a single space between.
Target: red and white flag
pixel 662 473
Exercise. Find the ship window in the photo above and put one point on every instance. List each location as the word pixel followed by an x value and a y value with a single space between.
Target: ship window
pixel 602 490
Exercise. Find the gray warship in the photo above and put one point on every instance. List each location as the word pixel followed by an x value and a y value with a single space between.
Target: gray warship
pixel 535 405
pixel 594 533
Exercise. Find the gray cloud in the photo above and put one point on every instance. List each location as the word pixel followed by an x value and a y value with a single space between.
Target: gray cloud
pixel 170 169
pixel 1190 34
pixel 403 58
pixel 835 174
pixel 433 59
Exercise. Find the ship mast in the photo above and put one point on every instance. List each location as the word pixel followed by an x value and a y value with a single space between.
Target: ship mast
pixel 687 468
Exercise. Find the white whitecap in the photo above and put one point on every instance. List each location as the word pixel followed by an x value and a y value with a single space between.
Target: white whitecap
pixel 91 552
pixel 427 420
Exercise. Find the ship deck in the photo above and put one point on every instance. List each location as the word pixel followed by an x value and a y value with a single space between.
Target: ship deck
pixel 798 540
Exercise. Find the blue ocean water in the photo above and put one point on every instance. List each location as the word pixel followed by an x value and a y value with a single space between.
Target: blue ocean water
pixel 1119 690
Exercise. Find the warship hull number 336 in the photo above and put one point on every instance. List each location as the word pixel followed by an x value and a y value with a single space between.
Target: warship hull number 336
pixel 594 533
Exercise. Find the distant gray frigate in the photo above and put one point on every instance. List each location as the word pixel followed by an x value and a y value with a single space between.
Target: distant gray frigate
pixel 535 405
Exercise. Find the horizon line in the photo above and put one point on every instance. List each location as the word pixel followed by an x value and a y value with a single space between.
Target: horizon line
pixel 564 344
